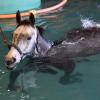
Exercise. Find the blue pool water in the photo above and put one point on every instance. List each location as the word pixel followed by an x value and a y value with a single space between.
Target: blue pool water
pixel 50 86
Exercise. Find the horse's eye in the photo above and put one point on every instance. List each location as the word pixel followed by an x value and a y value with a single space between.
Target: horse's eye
pixel 29 38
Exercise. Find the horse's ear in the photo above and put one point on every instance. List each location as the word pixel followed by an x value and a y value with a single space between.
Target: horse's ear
pixel 32 19
pixel 18 17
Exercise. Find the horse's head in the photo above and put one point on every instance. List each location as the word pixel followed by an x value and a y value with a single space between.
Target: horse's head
pixel 24 40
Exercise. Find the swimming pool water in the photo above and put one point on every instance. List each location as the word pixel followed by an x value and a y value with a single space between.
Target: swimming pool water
pixel 85 79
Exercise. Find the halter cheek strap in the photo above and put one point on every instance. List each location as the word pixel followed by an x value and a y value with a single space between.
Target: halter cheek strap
pixel 36 42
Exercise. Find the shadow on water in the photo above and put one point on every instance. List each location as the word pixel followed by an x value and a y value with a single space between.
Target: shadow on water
pixel 70 79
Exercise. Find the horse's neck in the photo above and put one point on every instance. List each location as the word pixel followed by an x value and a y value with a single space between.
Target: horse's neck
pixel 42 46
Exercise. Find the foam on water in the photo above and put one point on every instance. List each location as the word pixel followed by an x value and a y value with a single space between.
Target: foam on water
pixel 88 23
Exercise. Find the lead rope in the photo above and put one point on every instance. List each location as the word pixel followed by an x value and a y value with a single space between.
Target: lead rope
pixel 22 82
pixel 5 40
pixel 8 44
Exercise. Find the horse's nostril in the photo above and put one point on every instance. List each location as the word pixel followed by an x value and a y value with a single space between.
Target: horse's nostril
pixel 9 63
pixel 14 59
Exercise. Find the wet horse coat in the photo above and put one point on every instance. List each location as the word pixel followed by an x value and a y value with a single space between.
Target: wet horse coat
pixel 75 45
pixel 78 43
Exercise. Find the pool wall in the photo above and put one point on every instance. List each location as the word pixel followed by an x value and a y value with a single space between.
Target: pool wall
pixel 11 6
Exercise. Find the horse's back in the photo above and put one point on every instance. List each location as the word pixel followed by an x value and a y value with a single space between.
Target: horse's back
pixel 76 34
pixel 78 43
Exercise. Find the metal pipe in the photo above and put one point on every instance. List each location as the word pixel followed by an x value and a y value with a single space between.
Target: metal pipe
pixel 35 12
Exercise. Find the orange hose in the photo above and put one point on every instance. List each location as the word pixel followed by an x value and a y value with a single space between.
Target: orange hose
pixel 35 12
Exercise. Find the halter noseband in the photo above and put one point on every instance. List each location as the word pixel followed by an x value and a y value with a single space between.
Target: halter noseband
pixel 17 48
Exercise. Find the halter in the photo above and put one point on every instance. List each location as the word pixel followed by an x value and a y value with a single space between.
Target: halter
pixel 9 44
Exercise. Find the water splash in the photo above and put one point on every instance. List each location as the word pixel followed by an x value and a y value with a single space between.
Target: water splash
pixel 88 23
